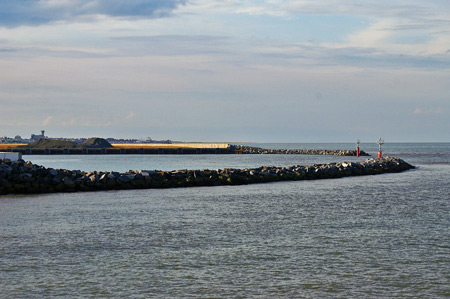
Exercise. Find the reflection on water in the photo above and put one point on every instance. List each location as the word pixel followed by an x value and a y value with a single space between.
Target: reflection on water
pixel 417 153
pixel 370 237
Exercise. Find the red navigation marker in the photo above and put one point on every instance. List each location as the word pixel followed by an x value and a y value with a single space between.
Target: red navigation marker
pixel 357 147
pixel 380 143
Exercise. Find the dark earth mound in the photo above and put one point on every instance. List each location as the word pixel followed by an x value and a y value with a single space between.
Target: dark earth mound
pixel 95 142
pixel 48 143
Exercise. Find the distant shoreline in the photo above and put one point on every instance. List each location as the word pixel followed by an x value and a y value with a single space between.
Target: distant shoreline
pixel 174 149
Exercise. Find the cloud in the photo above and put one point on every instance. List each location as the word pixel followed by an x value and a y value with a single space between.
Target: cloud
pixel 237 62
pixel 84 122
pixel 130 116
pixel 431 111
pixel 36 12
pixel 412 9
pixel 393 25
pixel 176 44
pixel 343 55
pixel 47 121
pixel 70 122
pixel 417 111
pixel 7 50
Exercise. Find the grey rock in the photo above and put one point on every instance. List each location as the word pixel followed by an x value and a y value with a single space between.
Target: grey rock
pixel 123 179
pixel 68 182
pixel 52 172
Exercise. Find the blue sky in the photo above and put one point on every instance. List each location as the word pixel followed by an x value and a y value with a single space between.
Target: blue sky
pixel 206 70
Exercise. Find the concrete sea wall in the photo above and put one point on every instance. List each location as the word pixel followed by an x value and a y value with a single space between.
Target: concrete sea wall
pixel 121 151
pixel 176 149
pixel 22 177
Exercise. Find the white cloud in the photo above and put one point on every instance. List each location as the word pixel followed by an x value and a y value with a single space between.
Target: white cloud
pixel 417 111
pixel 47 121
pixel 69 123
pixel 239 63
pixel 130 116
pixel 428 111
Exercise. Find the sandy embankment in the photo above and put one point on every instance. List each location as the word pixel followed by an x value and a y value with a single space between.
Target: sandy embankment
pixel 11 145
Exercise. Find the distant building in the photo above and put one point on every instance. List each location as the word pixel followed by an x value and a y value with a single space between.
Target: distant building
pixel 16 139
pixel 38 137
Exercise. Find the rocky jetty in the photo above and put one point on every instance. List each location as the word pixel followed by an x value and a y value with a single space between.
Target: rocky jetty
pixel 257 150
pixel 22 177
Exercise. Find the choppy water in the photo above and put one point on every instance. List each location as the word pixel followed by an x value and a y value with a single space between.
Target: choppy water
pixel 370 237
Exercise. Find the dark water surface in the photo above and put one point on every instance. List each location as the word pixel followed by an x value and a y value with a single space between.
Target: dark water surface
pixel 367 237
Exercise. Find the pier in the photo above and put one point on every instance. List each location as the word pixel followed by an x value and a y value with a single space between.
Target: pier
pixel 128 149
pixel 173 149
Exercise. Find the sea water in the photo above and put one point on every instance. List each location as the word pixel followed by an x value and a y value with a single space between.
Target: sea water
pixel 373 236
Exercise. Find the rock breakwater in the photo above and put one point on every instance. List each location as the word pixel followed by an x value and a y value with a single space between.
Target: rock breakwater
pixel 257 150
pixel 22 177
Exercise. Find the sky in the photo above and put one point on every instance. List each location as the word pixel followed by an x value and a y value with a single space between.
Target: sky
pixel 226 71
